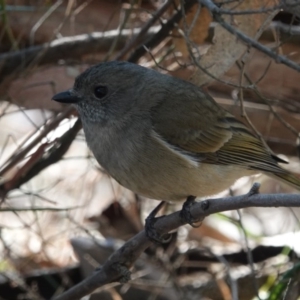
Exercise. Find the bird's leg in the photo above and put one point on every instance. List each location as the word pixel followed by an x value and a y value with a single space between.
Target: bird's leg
pixel 186 215
pixel 150 230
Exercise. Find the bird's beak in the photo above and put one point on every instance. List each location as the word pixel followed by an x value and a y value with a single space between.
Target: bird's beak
pixel 66 97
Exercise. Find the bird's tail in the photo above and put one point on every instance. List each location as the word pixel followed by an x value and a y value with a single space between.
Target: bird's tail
pixel 288 178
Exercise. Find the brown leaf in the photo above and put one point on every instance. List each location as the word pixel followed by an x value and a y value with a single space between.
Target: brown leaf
pixel 226 49
pixel 197 21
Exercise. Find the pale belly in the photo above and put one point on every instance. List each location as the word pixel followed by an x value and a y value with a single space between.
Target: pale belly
pixel 206 180
pixel 163 175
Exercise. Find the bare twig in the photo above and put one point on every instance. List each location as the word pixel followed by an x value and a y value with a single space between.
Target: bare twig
pixel 246 39
pixel 45 159
pixel 262 10
pixel 162 34
pixel 45 16
pixel 37 208
pixel 21 153
pixel 141 35
pixel 272 109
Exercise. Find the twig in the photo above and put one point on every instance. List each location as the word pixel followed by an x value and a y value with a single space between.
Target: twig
pixel 53 155
pixel 43 18
pixel 141 35
pixel 249 41
pixel 249 255
pixel 257 11
pixel 243 110
pixel 163 32
pixel 21 153
pixel 268 103
pixel 122 26
pixel 38 208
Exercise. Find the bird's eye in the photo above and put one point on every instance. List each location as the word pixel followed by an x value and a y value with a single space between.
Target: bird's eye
pixel 100 91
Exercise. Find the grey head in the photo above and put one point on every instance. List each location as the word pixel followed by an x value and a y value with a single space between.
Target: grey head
pixel 112 91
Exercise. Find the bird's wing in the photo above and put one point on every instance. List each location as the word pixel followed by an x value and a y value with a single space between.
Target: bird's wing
pixel 192 124
pixel 204 129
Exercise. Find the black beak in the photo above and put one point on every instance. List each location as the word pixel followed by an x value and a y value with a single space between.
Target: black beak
pixel 66 97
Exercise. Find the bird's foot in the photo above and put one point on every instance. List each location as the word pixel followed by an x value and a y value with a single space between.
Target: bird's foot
pixel 186 215
pixel 150 229
pixel 124 272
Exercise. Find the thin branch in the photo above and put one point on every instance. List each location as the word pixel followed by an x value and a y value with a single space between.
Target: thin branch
pixel 37 208
pixel 249 255
pixel 268 103
pixel 262 10
pixel 141 35
pixel 162 33
pixel 67 48
pixel 243 110
pixel 35 166
pixel 246 39
pixel 21 152
pixel 115 267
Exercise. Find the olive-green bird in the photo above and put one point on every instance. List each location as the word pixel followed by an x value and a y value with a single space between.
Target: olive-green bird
pixel 162 137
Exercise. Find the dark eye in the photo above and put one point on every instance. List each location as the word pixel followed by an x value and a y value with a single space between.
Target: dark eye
pixel 100 91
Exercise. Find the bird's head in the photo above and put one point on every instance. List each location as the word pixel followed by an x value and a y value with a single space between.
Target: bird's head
pixel 110 91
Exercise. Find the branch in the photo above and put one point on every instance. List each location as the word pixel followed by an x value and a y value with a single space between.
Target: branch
pixel 283 6
pixel 40 160
pixel 136 40
pixel 216 12
pixel 67 48
pixel 162 33
pixel 20 153
pixel 37 208
pixel 113 269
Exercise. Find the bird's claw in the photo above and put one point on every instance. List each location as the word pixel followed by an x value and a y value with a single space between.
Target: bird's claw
pixel 150 229
pixel 186 215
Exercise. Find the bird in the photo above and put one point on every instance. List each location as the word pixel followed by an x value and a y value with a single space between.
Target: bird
pixel 163 137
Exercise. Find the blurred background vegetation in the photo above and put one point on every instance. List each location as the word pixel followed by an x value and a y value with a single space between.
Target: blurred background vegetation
pixel 61 215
